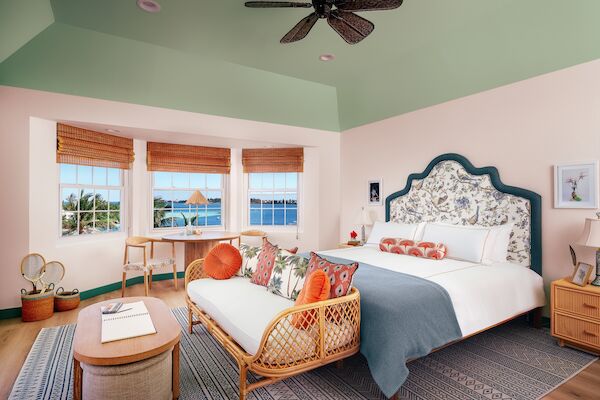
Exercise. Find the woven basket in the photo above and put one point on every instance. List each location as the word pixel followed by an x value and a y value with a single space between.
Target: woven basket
pixel 36 306
pixel 65 301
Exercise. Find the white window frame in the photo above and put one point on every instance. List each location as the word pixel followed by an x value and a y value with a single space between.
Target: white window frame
pixel 224 201
pixel 124 203
pixel 274 228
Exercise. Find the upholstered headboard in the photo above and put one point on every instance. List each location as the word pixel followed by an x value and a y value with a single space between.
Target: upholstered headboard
pixel 452 190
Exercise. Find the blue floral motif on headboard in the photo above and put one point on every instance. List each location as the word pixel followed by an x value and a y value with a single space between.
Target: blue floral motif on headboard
pixel 451 190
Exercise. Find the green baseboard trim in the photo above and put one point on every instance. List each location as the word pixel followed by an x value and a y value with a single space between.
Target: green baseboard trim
pixel 86 294
pixel 10 313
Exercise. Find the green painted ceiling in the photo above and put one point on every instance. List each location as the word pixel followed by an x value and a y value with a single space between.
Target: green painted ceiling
pixel 424 53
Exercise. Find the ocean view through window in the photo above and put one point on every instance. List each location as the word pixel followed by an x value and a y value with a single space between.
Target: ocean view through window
pixel 273 199
pixel 91 199
pixel 170 190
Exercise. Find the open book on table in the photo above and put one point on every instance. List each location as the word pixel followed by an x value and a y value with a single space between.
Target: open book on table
pixel 132 320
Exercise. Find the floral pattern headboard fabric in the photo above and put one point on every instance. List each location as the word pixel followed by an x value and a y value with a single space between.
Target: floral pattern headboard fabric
pixel 450 194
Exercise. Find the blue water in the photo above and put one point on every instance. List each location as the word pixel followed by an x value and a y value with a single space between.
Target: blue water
pixel 211 215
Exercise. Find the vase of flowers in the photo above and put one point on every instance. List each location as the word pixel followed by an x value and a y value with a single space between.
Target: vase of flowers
pixel 353 241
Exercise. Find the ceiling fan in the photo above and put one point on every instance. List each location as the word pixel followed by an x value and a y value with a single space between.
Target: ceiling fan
pixel 339 14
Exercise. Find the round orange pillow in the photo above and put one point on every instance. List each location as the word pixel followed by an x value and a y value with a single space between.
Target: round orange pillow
pixel 316 288
pixel 222 262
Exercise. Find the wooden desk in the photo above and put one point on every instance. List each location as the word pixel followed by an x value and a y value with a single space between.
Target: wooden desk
pixel 198 246
pixel 88 349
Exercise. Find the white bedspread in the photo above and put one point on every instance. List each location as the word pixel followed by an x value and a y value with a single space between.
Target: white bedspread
pixel 482 295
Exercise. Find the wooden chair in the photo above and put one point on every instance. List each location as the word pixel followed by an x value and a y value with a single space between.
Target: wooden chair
pixel 252 233
pixel 148 265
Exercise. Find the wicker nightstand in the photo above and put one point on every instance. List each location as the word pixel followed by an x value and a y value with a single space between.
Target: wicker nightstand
pixel 576 315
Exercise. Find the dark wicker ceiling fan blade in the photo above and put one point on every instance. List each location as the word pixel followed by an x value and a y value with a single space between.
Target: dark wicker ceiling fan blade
pixel 367 5
pixel 301 29
pixel 349 26
pixel 277 4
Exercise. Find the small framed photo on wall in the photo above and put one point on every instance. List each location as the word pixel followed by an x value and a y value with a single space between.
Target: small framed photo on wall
pixel 375 192
pixel 582 274
pixel 576 185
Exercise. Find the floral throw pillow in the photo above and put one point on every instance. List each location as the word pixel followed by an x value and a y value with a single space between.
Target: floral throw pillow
pixel 340 275
pixel 434 251
pixel 249 260
pixel 287 278
pixel 265 264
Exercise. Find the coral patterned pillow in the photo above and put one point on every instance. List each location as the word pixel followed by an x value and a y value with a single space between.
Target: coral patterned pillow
pixel 435 251
pixel 265 264
pixel 340 275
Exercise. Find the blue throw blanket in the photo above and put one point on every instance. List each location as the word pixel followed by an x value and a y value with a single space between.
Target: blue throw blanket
pixel 403 317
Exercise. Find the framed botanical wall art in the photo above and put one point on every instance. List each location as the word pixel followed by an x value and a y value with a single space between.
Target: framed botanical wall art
pixel 375 191
pixel 576 185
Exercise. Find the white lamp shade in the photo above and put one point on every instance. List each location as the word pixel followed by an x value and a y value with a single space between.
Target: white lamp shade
pixel 590 237
pixel 365 218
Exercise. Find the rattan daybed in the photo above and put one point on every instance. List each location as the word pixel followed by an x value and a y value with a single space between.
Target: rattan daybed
pixel 284 349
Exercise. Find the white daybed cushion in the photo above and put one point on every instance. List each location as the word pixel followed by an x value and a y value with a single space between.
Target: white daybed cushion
pixel 242 309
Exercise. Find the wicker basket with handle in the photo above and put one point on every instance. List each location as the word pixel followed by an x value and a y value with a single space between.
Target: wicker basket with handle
pixel 36 306
pixel 65 301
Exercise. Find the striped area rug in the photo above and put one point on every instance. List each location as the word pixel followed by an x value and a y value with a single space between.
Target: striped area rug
pixel 512 361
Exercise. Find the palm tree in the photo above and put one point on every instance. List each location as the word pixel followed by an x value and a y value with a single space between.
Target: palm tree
pixel 299 269
pixel 92 208
pixel 248 252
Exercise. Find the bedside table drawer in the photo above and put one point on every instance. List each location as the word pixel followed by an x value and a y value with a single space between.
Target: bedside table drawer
pixel 587 305
pixel 576 329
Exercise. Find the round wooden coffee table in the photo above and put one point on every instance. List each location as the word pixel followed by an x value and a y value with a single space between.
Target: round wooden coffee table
pixel 88 349
pixel 198 246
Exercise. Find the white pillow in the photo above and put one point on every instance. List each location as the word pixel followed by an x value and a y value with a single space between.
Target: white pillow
pixel 462 242
pixel 391 229
pixel 496 249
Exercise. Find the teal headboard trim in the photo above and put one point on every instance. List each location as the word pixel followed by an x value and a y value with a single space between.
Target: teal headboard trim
pixel 535 200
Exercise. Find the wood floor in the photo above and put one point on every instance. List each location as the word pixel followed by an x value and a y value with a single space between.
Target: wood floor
pixel 17 337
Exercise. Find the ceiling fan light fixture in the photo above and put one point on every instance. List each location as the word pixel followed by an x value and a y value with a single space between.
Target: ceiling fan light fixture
pixel 327 57
pixel 150 6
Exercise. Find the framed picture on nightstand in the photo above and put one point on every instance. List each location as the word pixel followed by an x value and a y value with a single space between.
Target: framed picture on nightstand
pixel 582 274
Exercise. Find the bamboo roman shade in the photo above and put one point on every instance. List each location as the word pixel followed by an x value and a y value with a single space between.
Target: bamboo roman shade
pixel 184 158
pixel 273 160
pixel 85 147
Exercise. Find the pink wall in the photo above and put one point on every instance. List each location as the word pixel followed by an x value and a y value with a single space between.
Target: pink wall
pixel 29 200
pixel 523 129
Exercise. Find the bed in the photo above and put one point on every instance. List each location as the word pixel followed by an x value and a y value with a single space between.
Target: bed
pixel 412 306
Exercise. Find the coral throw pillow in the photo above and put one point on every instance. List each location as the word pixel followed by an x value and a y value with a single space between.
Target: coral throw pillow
pixel 340 275
pixel 265 264
pixel 222 262
pixel 435 251
pixel 316 288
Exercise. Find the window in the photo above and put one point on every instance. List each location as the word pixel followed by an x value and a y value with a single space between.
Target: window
pixel 91 199
pixel 170 190
pixel 273 198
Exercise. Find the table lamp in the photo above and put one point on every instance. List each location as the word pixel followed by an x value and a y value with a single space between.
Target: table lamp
pixel 590 237
pixel 364 220
pixel 196 199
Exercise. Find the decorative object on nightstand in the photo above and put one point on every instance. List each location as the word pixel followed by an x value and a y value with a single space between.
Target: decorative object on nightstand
pixel 582 273
pixel 196 199
pixel 364 220
pixel 590 237
pixel 353 241
pixel 575 313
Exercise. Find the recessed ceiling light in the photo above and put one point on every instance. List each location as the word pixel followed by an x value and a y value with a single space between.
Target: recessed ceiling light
pixel 326 57
pixel 113 130
pixel 150 6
